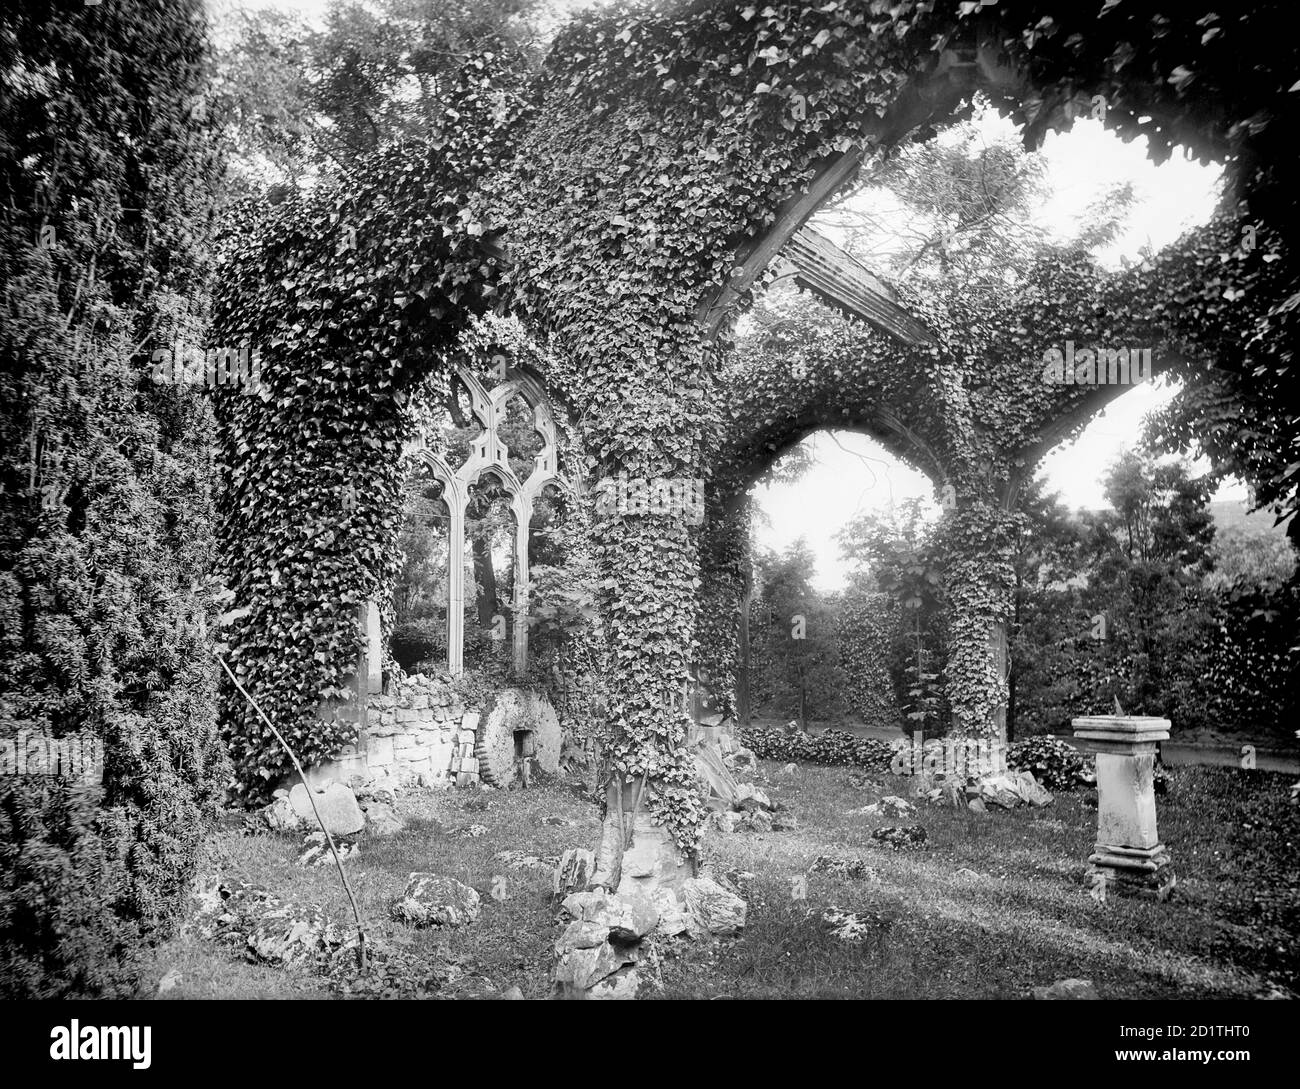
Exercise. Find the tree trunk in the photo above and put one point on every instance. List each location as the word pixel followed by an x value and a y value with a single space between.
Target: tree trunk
pixel 743 709
pixel 485 578
pixel 998 649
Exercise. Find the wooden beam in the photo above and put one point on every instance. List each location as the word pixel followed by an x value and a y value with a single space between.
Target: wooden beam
pixel 753 257
pixel 842 281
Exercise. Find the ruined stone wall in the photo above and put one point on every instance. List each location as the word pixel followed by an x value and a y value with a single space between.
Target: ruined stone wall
pixel 421 731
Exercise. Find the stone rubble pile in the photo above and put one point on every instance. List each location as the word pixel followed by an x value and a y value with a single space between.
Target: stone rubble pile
pixel 853 927
pixel 602 947
pixel 1006 790
pixel 901 836
pixel 843 867
pixel 267 929
pixel 432 900
pixel 344 811
pixel 889 806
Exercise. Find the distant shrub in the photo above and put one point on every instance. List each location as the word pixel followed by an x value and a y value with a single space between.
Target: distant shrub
pixel 1053 762
pixel 416 641
pixel 831 747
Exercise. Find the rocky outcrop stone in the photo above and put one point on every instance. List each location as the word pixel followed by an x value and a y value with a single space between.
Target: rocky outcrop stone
pixel 574 871
pixel 581 969
pixel 1067 989
pixel 382 820
pixel 627 917
pixel 1011 789
pixel 280 816
pixel 431 900
pixel 336 804
pixel 711 909
pixel 907 835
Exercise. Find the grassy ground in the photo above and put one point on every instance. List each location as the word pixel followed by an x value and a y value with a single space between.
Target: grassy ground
pixel 990 907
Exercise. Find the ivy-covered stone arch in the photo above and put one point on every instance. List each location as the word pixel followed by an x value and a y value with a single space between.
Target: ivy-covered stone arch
pixel 976 410
pixel 610 201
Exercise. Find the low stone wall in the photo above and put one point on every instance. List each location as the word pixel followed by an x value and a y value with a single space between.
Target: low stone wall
pixel 420 733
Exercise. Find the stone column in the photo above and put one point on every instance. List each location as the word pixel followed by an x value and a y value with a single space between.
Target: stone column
pixel 1128 856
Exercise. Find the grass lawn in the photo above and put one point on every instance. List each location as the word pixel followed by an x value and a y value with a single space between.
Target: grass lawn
pixel 991 906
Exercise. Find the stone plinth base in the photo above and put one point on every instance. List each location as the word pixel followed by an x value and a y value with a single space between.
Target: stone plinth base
pixel 1146 873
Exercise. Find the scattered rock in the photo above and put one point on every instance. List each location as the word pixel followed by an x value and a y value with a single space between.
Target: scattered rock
pixel 169 981
pixel 290 935
pixel 381 820
pixel 749 796
pixel 785 822
pixel 430 900
pixel 853 927
pixel 1031 790
pixel 756 820
pixel 737 880
pixel 517 860
pixel 740 759
pixel 726 821
pixel 580 934
pixel 266 928
pixel 952 795
pixel 976 805
pixel 473 831
pixel 280 816
pixel 889 806
pixel 626 917
pixel 900 836
pixel 514 994
pixel 711 908
pixel 921 786
pixel 789 770
pixel 1067 988
pixel 336 804
pixel 842 867
pixel 574 871
pixel 317 851
pixel 620 986
pixel 559 822
pixel 581 969
pixel 1011 789
pixel 965 871
pixel 673 919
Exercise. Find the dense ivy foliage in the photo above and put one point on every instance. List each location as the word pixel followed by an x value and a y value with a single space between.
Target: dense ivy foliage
pixel 606 201
pixel 1056 764
pixel 870 653
pixel 829 747
pixel 106 183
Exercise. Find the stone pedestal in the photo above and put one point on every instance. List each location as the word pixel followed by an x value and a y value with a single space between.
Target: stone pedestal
pixel 1128 856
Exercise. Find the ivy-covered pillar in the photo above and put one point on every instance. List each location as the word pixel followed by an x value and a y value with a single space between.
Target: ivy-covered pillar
pixel 978 580
pixel 645 537
pixel 721 627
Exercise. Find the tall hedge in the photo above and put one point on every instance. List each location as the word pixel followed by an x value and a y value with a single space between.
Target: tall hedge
pixel 106 180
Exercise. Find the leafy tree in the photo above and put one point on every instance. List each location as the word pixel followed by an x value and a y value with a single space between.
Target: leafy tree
pixel 898 552
pixel 106 483
pixel 302 103
pixel 796 659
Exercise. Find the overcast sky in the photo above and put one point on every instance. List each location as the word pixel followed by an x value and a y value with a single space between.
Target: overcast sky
pixel 853 473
